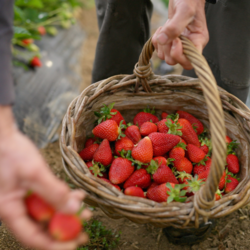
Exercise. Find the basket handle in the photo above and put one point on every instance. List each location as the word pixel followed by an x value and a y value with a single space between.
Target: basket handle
pixel 204 199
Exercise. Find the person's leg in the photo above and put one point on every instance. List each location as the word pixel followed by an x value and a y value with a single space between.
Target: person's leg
pixel 228 50
pixel 124 29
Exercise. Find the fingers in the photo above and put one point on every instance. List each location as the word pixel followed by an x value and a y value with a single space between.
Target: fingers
pixel 176 54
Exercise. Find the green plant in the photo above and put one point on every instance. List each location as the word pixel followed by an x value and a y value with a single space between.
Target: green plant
pixel 166 2
pixel 100 238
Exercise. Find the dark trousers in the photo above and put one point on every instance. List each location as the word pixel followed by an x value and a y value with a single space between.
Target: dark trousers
pixel 125 27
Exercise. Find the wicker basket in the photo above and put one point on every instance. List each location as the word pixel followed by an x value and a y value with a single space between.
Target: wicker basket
pixel 215 107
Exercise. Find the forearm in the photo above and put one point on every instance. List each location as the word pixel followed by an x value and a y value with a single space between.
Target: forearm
pixel 7 122
pixel 6 81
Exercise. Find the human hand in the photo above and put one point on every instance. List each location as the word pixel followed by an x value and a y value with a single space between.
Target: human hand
pixel 186 17
pixel 22 168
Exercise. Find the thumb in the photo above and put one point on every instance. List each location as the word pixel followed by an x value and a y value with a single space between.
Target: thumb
pixel 173 28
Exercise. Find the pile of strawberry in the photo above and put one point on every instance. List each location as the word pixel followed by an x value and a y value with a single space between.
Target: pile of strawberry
pixel 162 160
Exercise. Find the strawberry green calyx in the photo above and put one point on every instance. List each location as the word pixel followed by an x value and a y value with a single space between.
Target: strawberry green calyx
pixel 232 175
pixel 231 147
pixel 153 166
pixel 128 155
pixel 203 135
pixel 174 170
pixel 219 192
pixel 202 162
pixel 182 175
pixel 176 193
pixel 105 113
pixel 181 145
pixel 174 128
pixel 194 184
pixel 120 130
pixel 97 169
pixel 170 161
pixel 194 127
pixel 148 110
pixel 174 117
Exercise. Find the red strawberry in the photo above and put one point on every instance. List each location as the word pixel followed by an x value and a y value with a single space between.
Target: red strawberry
pixel 178 152
pixel 89 142
pixel 106 180
pixel 164 115
pixel 140 178
pixel 107 130
pixel 35 62
pixel 218 195
pixel 96 170
pixel 228 139
pixel 123 144
pixel 231 184
pixel 188 133
pixel 159 193
pixel 88 153
pixel 164 174
pixel 65 227
pixel 183 177
pixel 37 208
pixel 134 191
pixel 222 181
pixel 194 121
pixel 233 163
pixel 103 154
pixel 162 126
pixel 41 30
pixel 145 116
pixel 143 151
pixel 147 128
pixel 154 184
pixel 27 41
pixel 120 170
pixel 204 175
pixel 133 133
pixel 184 165
pixel 205 148
pixel 199 168
pixel 162 143
pixel 195 154
pixel 160 160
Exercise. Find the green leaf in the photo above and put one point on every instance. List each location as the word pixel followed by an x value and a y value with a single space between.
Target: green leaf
pixel 38 4
pixel 170 199
pixel 19 14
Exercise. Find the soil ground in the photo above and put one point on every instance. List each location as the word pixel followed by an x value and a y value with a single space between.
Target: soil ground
pixel 231 232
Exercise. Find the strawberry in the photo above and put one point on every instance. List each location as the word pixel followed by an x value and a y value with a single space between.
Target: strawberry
pixel 108 113
pixel 162 143
pixel 183 177
pixel 184 165
pixel 107 130
pixel 204 175
pixel 167 192
pixel 206 146
pixel 205 149
pixel 231 184
pixel 88 153
pixel 164 115
pixel 133 133
pixel 37 208
pixel 27 41
pixel 222 181
pixel 194 121
pixel 120 170
pixel 199 168
pixel 163 125
pixel 195 154
pixel 123 144
pixel 164 174
pixel 218 195
pixel 35 62
pixel 41 30
pixel 188 133
pixel 103 154
pixel 89 142
pixel 143 151
pixel 147 128
pixel 106 180
pixel 233 163
pixel 134 191
pixel 178 152
pixel 193 185
pixel 145 116
pixel 160 160
pixel 95 169
pixel 154 184
pixel 183 141
pixel 140 178
pixel 228 139
pixel 65 227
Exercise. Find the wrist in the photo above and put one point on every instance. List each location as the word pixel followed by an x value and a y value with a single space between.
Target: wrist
pixel 7 121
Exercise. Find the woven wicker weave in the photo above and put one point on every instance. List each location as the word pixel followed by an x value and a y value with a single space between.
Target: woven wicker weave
pixel 215 107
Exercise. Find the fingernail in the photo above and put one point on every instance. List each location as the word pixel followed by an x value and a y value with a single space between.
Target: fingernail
pixel 72 206
pixel 162 38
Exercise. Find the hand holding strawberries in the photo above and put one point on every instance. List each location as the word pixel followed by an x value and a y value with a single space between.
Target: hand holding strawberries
pixel 22 169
